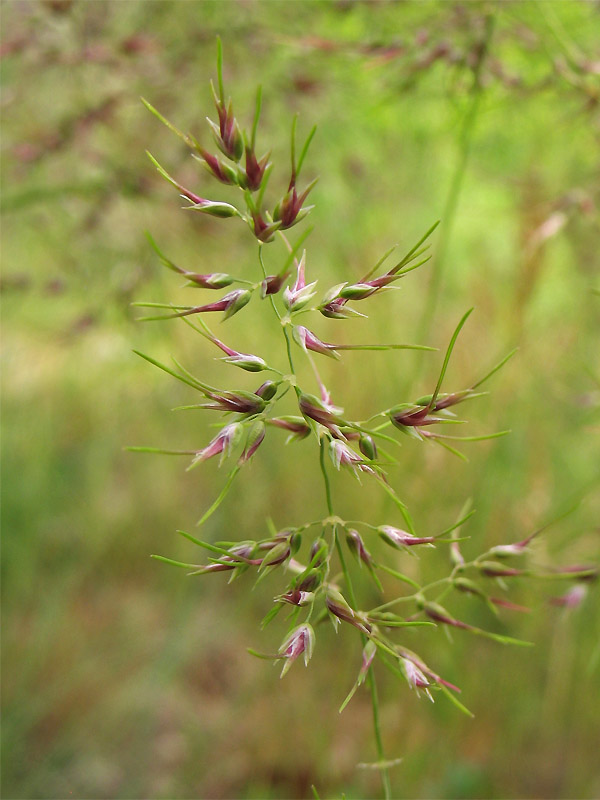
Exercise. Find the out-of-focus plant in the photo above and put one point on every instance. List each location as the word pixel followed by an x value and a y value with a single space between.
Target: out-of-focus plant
pixel 316 582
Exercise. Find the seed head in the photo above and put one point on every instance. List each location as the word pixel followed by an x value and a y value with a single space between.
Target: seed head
pixel 571 599
pixel 495 570
pixel 308 341
pixel 222 172
pixel 296 597
pixel 295 425
pixel 415 677
pixel 400 539
pixel 321 411
pixel 255 169
pixel 338 606
pixel 267 390
pixel 344 456
pixel 357 547
pixel 301 640
pixel 237 401
pixel 301 293
pixel 222 444
pixel 254 441
pixel 272 284
pixel 212 280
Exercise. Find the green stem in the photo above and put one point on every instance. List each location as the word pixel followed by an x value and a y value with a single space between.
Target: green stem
pixel 385 777
pixel 326 480
pixel 277 314
pixel 289 351
pixel 450 206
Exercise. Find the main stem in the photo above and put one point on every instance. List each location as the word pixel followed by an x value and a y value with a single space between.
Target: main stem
pixel 385 777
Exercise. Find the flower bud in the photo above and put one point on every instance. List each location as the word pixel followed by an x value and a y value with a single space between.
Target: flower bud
pixel 255 170
pixel 572 598
pixel 264 231
pixel 311 580
pixel 288 210
pixel 227 134
pixel 272 284
pixel 308 341
pixel 300 640
pixel 276 555
pixel 335 309
pixel 319 411
pixel 215 209
pixel 344 456
pixel 247 362
pixel 357 291
pixel 240 402
pixel 400 539
pixel 368 654
pixel 254 441
pixel 215 167
pixel 230 303
pixel 318 552
pixel 267 391
pixel 295 542
pixel 468 587
pixel 300 294
pixel 439 614
pixel 495 570
pixel 223 443
pixel 415 677
pixel 296 425
pixel 357 548
pixel 367 446
pixel 338 606
pixel 295 597
pixel 237 300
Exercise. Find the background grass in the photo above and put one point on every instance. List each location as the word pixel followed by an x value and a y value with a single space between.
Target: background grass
pixel 122 678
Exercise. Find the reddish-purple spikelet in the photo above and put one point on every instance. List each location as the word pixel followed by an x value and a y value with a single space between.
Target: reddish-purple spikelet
pixel 399 538
pixel 300 640
pixel 344 456
pixel 572 598
pixel 416 677
pixel 223 443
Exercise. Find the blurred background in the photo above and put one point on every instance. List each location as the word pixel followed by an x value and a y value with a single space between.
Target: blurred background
pixel 123 678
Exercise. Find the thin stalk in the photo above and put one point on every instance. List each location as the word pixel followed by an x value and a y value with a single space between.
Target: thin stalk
pixel 326 480
pixel 451 204
pixel 385 777
pixel 289 350
pixel 277 314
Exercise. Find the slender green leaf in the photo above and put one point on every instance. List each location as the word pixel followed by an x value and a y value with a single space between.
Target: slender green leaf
pixel 220 498
pixel 447 357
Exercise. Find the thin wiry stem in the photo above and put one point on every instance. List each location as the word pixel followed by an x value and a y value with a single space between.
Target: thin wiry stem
pixel 277 314
pixel 451 204
pixel 385 777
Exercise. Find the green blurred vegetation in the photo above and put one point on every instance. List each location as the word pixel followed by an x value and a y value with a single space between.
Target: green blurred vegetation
pixel 122 678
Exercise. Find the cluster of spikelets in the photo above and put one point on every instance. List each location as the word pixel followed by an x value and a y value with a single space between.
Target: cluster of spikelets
pixel 312 590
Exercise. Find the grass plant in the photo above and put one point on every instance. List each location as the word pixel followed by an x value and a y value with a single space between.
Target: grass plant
pixel 316 584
